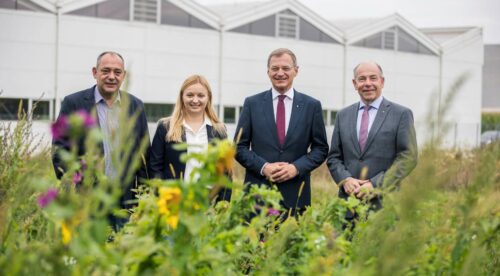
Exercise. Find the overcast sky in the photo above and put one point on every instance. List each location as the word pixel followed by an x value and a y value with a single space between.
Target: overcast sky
pixel 422 13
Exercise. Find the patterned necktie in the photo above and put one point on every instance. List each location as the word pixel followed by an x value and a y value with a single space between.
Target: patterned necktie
pixel 280 119
pixel 363 129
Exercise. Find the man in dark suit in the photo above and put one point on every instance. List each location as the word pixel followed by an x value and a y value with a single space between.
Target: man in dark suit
pixel 373 141
pixel 283 135
pixel 107 101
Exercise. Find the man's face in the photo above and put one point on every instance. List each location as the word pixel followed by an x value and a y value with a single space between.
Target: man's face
pixel 281 72
pixel 368 82
pixel 109 75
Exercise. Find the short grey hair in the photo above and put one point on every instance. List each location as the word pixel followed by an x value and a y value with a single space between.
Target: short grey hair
pixel 279 52
pixel 111 53
pixel 368 62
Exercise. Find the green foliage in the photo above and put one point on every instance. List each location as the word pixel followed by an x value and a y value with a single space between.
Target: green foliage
pixel 443 220
pixel 490 121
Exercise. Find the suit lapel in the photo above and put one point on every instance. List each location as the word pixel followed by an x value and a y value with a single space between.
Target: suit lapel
pixel 268 111
pixel 297 105
pixel 377 123
pixel 352 123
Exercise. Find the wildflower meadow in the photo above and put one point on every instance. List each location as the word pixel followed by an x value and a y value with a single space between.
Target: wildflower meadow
pixel 444 219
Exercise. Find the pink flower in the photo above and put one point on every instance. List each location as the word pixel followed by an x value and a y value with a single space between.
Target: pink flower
pixel 47 198
pixel 88 120
pixel 77 178
pixel 59 127
pixel 273 212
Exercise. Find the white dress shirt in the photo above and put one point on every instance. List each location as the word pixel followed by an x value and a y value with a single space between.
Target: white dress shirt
pixel 372 112
pixel 197 142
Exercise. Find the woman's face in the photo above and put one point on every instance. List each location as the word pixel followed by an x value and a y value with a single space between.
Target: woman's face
pixel 195 98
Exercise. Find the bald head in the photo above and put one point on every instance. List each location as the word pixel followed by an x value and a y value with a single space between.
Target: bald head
pixel 355 71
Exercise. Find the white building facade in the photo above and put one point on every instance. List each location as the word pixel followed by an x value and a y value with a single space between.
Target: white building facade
pixel 47 52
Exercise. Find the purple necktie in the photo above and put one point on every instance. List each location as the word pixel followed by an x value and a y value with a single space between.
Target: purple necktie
pixel 363 129
pixel 280 119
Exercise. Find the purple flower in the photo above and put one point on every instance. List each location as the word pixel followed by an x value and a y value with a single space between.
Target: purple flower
pixel 59 127
pixel 77 178
pixel 273 212
pixel 47 198
pixel 88 120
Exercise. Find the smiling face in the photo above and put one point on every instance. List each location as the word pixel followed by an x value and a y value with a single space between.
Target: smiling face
pixel 368 81
pixel 109 75
pixel 195 98
pixel 281 72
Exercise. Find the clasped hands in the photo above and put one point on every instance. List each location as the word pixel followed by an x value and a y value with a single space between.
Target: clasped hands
pixel 357 187
pixel 278 172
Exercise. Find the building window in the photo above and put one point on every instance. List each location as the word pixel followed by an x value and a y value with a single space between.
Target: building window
pixel 287 25
pixel 309 32
pixel 9 108
pixel 394 38
pixel 146 10
pixel 229 114
pixel 173 15
pixel 333 116
pixel 21 5
pixel 111 9
pixel 41 110
pixel 265 26
pixel 156 111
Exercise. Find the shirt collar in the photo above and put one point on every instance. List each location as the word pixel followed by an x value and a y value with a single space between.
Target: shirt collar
pixel 375 104
pixel 288 94
pixel 206 122
pixel 98 97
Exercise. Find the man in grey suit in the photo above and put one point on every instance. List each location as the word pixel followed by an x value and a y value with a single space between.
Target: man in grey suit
pixel 373 141
pixel 283 135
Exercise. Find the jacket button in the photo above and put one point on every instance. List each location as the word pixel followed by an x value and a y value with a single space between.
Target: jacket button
pixel 281 151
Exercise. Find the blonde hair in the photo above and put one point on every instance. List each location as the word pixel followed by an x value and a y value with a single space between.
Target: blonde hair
pixel 174 122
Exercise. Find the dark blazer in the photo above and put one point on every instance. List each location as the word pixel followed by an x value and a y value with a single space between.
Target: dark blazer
pixel 85 100
pixel 305 143
pixel 391 145
pixel 164 158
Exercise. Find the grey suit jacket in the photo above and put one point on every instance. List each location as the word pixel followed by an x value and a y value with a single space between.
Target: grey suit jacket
pixel 391 148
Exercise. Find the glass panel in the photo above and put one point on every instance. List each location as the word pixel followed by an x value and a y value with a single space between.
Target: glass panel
pixel 242 29
pixel 333 115
pixel 308 31
pixel 374 41
pixel 264 26
pixel 172 15
pixel 10 107
pixel 406 43
pixel 114 9
pixel 325 116
pixel 424 50
pixel 8 4
pixel 156 111
pixel 41 110
pixel 229 115
pixel 196 23
pixel 87 11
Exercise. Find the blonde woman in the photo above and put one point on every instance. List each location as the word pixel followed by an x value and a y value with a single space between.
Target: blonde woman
pixel 194 122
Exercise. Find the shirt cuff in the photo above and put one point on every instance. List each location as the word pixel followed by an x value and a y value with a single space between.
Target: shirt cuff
pixel 262 169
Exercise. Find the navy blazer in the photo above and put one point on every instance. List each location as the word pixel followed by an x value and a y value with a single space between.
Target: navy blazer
pixel 305 143
pixel 85 100
pixel 164 158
